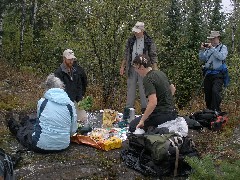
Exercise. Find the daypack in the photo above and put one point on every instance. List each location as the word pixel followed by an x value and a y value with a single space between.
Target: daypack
pixel 159 154
pixel 210 119
pixel 7 167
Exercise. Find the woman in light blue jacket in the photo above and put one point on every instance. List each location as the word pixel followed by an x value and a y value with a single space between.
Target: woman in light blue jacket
pixel 56 121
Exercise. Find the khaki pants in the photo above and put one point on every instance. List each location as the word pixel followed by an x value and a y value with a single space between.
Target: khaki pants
pixel 81 114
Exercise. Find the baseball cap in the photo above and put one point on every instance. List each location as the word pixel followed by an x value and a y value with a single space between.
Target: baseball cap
pixel 69 54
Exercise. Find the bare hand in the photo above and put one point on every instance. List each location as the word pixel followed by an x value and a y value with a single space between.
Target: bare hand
pixel 140 124
pixel 122 70
pixel 173 89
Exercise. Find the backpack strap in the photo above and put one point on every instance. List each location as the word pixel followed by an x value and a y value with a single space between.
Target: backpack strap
pixel 70 111
pixel 7 163
pixel 173 143
pixel 43 105
pixel 176 161
pixel 224 61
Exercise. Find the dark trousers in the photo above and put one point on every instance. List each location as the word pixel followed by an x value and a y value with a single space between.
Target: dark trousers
pixel 154 120
pixel 212 89
pixel 23 132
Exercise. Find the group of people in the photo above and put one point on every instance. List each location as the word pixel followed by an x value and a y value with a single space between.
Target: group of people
pixel 56 112
pixel 56 117
pixel 140 64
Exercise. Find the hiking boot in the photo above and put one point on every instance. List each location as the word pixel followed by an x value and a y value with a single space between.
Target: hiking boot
pixel 12 123
pixel 16 158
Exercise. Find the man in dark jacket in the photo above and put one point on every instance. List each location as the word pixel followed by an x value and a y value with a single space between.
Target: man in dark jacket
pixel 139 43
pixel 73 76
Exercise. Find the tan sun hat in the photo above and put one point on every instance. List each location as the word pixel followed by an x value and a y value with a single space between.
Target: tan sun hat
pixel 214 34
pixel 139 26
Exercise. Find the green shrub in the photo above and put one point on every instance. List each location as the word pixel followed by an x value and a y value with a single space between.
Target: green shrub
pixel 209 169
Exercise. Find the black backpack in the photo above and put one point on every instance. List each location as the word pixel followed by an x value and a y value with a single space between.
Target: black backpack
pixel 8 164
pixel 159 154
pixel 210 119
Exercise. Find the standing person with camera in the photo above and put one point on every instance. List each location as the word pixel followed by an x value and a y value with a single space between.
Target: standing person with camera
pixel 214 54
pixel 139 43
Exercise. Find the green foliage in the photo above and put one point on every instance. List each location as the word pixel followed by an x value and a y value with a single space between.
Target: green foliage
pixel 86 103
pixel 233 90
pixel 217 17
pixel 97 32
pixel 207 169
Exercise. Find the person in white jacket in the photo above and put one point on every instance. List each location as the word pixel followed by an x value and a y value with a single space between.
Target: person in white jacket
pixel 56 121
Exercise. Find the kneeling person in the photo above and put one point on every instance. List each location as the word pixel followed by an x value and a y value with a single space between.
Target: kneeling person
pixel 160 107
pixel 56 121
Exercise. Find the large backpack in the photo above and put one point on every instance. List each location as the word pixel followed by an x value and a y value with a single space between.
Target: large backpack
pixel 159 154
pixel 210 119
pixel 7 163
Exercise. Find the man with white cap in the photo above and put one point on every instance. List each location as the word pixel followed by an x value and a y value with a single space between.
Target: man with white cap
pixel 214 55
pixel 73 76
pixel 139 43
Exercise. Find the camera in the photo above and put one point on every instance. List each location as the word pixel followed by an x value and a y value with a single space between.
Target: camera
pixel 205 45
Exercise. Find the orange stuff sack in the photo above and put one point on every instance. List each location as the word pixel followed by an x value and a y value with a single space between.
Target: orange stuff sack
pixel 81 139
pixel 98 142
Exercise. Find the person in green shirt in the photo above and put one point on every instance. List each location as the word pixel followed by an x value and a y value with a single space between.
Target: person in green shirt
pixel 159 91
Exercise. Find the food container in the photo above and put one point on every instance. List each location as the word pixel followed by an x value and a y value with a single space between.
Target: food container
pixel 132 114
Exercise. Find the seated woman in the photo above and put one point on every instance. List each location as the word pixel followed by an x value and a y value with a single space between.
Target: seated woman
pixel 56 121
pixel 159 91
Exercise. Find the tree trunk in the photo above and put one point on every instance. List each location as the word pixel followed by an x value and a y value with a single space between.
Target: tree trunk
pixel 34 13
pixel 234 24
pixel 1 34
pixel 22 27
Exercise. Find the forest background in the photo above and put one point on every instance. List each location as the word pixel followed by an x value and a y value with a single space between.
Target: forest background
pixel 34 34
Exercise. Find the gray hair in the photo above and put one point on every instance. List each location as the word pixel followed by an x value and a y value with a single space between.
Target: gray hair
pixel 53 82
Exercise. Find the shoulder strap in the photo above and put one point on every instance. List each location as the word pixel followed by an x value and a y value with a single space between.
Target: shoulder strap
pixel 221 48
pixel 7 163
pixel 2 153
pixel 224 61
pixel 42 106
pixel 70 111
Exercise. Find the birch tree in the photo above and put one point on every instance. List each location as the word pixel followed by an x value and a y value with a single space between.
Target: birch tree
pixel 1 32
pixel 234 24
pixel 34 14
pixel 23 19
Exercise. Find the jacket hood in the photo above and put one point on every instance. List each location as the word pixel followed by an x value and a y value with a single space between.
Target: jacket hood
pixel 57 95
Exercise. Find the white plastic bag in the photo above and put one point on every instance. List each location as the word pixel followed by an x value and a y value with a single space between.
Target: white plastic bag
pixel 139 131
pixel 179 126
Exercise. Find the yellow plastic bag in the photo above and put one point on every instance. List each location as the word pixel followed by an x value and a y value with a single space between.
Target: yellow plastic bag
pixel 111 143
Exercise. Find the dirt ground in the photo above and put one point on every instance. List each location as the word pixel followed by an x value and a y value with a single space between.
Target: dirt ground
pixel 77 162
